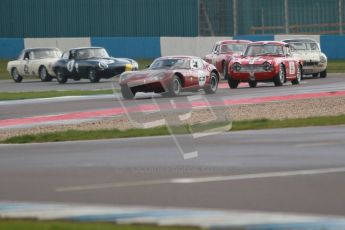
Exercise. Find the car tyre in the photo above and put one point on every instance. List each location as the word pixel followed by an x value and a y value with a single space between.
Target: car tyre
pixel 93 77
pixel 233 83
pixel 323 74
pixel 44 75
pixel 253 84
pixel 61 77
pixel 280 77
pixel 211 88
pixel 15 75
pixel 174 89
pixel 127 93
pixel 298 78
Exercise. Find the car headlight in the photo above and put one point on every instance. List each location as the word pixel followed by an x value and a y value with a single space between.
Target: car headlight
pixel 157 77
pixel 236 66
pixel 135 65
pixel 323 58
pixel 103 65
pixel 267 66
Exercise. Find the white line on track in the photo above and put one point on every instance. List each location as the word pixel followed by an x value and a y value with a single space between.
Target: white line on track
pixel 203 179
pixel 326 143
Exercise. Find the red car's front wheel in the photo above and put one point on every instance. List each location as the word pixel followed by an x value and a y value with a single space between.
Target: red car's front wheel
pixel 213 84
pixel 174 89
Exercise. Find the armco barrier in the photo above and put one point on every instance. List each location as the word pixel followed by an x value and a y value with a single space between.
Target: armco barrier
pixel 10 47
pixel 151 47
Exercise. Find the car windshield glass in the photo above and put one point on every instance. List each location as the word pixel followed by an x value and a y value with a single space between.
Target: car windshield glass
pixel 298 46
pixel 91 53
pixel 171 63
pixel 225 48
pixel 258 50
pixel 48 53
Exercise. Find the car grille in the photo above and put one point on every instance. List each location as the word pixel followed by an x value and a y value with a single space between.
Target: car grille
pixel 252 68
pixel 310 63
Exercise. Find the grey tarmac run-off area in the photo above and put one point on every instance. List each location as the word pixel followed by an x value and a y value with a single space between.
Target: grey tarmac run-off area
pixel 137 171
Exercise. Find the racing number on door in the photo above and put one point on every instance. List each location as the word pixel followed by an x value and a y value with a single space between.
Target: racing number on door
pixel 292 68
pixel 201 78
pixel 70 65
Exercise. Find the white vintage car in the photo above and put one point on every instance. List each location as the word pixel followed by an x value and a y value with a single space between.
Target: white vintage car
pixel 314 61
pixel 34 62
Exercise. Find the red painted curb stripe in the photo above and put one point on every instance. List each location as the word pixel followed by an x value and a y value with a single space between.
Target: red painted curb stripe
pixel 147 108
pixel 226 86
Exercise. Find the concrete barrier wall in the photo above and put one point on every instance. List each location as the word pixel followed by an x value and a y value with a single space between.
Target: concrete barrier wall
pixel 255 38
pixel 288 36
pixel 193 46
pixel 63 44
pixel 151 47
pixel 10 47
pixel 333 46
pixel 130 47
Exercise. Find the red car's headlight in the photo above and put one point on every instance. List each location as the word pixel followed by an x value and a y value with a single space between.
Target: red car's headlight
pixel 236 66
pixel 267 66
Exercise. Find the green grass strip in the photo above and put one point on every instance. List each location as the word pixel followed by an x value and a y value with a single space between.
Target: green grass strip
pixel 73 135
pixel 287 123
pixel 61 225
pixel 48 94
pixel 336 66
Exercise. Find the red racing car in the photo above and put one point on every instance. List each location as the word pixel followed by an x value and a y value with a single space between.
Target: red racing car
pixel 223 52
pixel 170 76
pixel 265 62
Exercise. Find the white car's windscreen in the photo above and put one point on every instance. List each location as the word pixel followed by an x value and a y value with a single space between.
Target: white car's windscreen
pixel 40 54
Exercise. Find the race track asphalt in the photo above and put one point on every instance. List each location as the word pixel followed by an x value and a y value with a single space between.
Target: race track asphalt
pixel 300 170
pixel 37 107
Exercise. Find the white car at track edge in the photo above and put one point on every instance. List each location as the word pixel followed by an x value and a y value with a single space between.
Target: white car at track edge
pixel 36 62
pixel 309 51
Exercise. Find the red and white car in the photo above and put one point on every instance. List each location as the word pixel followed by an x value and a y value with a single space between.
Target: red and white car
pixel 223 52
pixel 170 76
pixel 265 61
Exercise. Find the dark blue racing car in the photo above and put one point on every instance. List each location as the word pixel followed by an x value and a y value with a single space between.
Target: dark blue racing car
pixel 92 63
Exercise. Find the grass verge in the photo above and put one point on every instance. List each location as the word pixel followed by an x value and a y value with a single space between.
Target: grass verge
pixel 337 66
pixel 61 225
pixel 46 94
pixel 72 135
